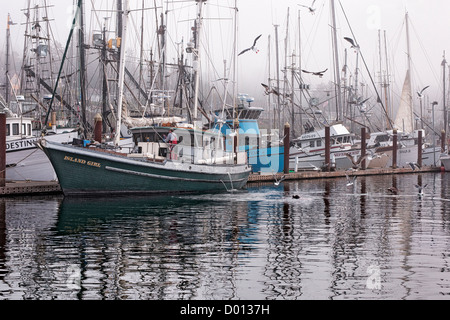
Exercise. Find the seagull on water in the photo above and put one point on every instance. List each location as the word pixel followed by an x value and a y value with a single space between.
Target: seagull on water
pixel 253 47
pixel 310 8
pixel 319 73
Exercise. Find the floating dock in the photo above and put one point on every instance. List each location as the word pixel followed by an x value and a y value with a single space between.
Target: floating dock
pixel 22 188
pixel 29 188
pixel 308 175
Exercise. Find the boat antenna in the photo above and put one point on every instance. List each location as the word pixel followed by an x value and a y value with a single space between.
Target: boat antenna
pixel 74 22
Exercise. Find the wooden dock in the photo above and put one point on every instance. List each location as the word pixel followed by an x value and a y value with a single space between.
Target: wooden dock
pixel 27 188
pixel 308 175
pixel 23 188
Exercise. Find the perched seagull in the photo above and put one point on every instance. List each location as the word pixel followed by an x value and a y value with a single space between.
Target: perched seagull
pixel 352 42
pixel 414 165
pixel 320 73
pixel 357 163
pixel 420 189
pixel 350 181
pixel 253 47
pixel 420 93
pixel 310 8
pixel 277 182
pixel 393 190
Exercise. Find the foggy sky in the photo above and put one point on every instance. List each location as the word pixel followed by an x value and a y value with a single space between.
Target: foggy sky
pixel 429 27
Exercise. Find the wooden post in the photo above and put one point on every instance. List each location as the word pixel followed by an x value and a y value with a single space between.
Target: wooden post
pixel 287 143
pixel 363 147
pixel 419 149
pixel 2 149
pixel 443 141
pixel 53 124
pixel 327 149
pixel 394 151
pixel 98 127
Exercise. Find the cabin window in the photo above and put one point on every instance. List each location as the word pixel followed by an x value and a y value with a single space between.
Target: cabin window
pixel 15 129
pixel 8 130
pixel 24 129
pixel 29 129
pixel 312 144
pixel 319 143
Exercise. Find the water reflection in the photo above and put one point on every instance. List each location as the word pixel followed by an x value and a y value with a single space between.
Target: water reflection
pixel 330 241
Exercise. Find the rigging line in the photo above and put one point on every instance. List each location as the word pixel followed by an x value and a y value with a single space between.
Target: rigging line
pixel 367 69
pixel 425 53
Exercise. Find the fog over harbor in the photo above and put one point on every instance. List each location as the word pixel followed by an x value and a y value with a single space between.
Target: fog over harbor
pixel 305 42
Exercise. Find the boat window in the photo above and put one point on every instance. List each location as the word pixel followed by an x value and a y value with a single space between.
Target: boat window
pixel 319 143
pixel 8 130
pixel 15 129
pixel 339 140
pixel 24 129
pixel 29 129
pixel 311 144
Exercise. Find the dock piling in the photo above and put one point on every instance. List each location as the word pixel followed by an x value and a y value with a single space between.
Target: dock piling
pixel 286 143
pixel 363 147
pixel 2 149
pixel 394 151
pixel 327 149
pixel 419 149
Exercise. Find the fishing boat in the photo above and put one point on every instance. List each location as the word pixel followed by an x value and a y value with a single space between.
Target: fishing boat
pixel 265 153
pixel 24 161
pixel 197 163
pixel 308 151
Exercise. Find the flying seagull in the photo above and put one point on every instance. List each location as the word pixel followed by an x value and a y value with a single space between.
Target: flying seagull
pixel 310 8
pixel 352 42
pixel 420 189
pixel 320 73
pixel 253 47
pixel 277 182
pixel 414 165
pixel 356 163
pixel 270 90
pixel 420 93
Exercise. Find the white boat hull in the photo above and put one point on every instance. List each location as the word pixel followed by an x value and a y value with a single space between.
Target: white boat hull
pixel 29 163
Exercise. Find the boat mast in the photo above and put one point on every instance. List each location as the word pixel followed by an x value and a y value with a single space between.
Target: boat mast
pixel 197 63
pixel 444 66
pixel 125 13
pixel 336 62
pixel 8 36
pixel 82 53
pixel 408 48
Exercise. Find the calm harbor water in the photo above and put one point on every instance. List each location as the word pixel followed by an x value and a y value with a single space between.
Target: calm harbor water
pixel 333 242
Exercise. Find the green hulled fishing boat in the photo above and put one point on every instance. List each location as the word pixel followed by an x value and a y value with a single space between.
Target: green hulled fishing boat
pixel 197 162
